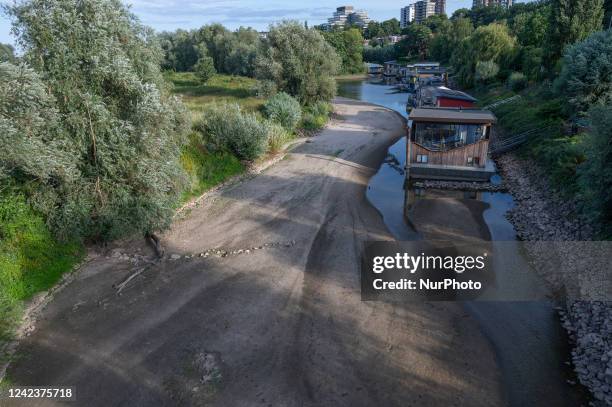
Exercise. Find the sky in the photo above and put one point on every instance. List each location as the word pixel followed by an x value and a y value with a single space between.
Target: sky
pixel 168 15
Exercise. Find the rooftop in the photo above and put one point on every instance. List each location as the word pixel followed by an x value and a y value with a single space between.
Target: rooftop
pixel 443 115
pixel 443 91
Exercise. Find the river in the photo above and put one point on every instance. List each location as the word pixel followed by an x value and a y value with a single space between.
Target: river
pixel 529 342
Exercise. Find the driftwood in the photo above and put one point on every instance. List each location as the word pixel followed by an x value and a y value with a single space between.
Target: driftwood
pixel 154 241
pixel 119 287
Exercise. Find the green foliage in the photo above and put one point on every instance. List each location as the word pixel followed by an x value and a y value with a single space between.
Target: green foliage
pixel 316 116
pixel 416 43
pixel 205 168
pixel 118 136
pixel 227 126
pixel 596 172
pixel 382 29
pixel 205 69
pixel 486 71
pixel 379 54
pixel 517 81
pixel 449 37
pixel 485 15
pixel 349 47
pixel 586 77
pixel 284 110
pixel 530 27
pixel 233 53
pixel 571 21
pixel 7 53
pixel 277 137
pixel 300 62
pixel 488 44
pixel 31 260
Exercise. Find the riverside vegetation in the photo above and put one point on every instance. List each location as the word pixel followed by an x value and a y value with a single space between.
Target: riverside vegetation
pixel 97 143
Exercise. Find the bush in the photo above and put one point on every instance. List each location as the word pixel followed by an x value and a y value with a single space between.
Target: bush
pixel 313 122
pixel 284 110
pixel 265 89
pixel 277 137
pixel 227 126
pixel 205 69
pixel 586 76
pixel 486 71
pixel 321 109
pixel 517 81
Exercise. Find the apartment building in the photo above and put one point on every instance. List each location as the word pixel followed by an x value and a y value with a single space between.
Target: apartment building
pixel 419 11
pixel 348 15
pixel 407 15
pixel 486 3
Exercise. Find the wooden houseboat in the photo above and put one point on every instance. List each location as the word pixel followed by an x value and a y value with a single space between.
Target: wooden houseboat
pixel 441 96
pixel 392 68
pixel 449 144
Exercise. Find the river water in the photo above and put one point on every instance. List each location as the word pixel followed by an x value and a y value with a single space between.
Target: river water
pixel 530 345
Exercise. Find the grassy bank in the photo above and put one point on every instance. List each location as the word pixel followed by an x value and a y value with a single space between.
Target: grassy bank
pixel 554 149
pixel 31 260
pixel 221 88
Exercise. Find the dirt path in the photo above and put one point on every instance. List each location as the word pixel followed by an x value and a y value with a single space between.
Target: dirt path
pixel 279 326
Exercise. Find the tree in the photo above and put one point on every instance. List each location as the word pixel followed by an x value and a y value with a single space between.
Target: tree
pixel 180 51
pixel 449 37
pixel 596 172
pixel 485 15
pixel 379 54
pixel 101 68
pixel 416 43
pixel 586 76
pixel 530 27
pixel 205 68
pixel 300 62
pixel 461 13
pixel 437 23
pixel 349 47
pixel 571 21
pixel 487 43
pixel 391 27
pixel 7 53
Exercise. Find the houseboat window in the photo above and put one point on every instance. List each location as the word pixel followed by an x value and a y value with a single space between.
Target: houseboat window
pixel 470 161
pixel 442 137
pixel 422 158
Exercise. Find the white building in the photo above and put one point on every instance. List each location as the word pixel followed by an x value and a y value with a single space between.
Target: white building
pixel 423 9
pixel 348 15
pixel 407 15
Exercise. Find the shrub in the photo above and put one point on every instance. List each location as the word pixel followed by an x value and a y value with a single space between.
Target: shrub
pixel 321 108
pixel 486 71
pixel 284 110
pixel 517 81
pixel 265 89
pixel 205 69
pixel 586 76
pixel 277 137
pixel 313 122
pixel 227 126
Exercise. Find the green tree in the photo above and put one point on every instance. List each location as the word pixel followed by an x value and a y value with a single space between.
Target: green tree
pixel 571 21
pixel 349 47
pixel 416 43
pixel 461 13
pixel 482 16
pixel 586 77
pixel 205 68
pixel 449 37
pixel 7 53
pixel 391 27
pixel 300 62
pixel 486 71
pixel 530 27
pixel 102 70
pixel 180 51
pixel 437 23
pixel 596 172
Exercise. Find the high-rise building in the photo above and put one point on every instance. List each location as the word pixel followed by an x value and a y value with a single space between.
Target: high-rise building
pixel 486 3
pixel 407 15
pixel 423 9
pixel 348 14
pixel 419 11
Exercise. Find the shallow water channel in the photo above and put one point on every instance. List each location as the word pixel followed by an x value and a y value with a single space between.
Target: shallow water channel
pixel 529 342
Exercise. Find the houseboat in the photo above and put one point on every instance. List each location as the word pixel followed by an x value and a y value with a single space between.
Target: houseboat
pixel 441 96
pixel 392 68
pixel 449 144
pixel 375 69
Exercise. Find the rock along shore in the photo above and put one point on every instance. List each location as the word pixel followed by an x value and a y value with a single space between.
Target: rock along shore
pixel 541 214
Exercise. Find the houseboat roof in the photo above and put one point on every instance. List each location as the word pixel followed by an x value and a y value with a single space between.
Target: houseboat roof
pixel 444 92
pixel 450 115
